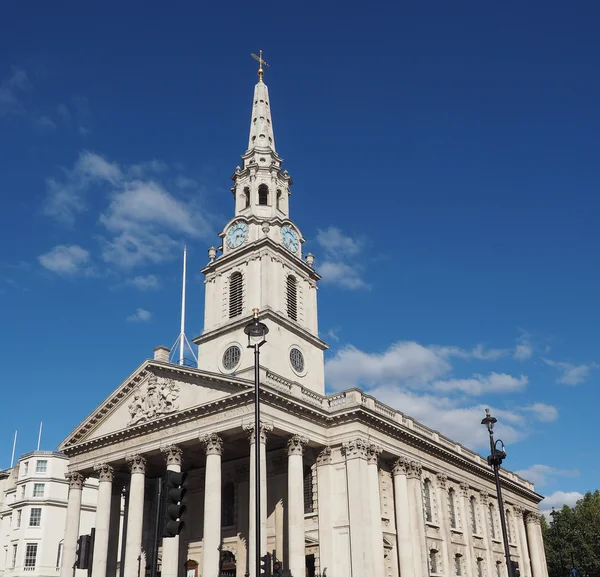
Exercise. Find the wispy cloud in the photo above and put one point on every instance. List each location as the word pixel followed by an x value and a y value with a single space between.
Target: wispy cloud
pixel 543 474
pixel 144 283
pixel 139 316
pixel 480 384
pixel 558 499
pixel 543 412
pixel 67 260
pixel 341 265
pixel 12 89
pixel 571 374
pixel 524 348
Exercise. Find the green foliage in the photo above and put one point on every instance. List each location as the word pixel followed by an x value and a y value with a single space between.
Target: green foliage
pixel 573 538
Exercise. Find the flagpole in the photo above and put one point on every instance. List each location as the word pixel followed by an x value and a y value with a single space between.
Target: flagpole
pixel 12 459
pixel 39 437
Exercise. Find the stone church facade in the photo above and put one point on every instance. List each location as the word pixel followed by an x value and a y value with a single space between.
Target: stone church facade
pixel 350 487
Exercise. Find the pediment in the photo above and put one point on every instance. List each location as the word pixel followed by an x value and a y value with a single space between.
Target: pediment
pixel 155 391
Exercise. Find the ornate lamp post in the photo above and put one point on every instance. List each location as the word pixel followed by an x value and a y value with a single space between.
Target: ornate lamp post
pixel 495 460
pixel 256 332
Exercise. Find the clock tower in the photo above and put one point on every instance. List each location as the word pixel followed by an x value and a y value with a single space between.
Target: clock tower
pixel 260 264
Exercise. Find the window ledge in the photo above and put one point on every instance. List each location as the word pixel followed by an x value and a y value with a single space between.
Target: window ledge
pixel 455 530
pixel 435 526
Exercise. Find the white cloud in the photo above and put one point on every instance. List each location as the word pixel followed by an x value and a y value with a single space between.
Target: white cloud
pixel 341 265
pixel 543 412
pixel 140 315
pixel 478 352
pixel 148 282
pixel 336 243
pixel 11 90
pixel 341 274
pixel 523 349
pixel 66 260
pixel 543 474
pixel 558 499
pixel 332 335
pixel 481 384
pixel 571 374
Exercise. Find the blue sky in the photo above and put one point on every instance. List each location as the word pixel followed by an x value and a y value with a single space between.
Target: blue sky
pixel 445 164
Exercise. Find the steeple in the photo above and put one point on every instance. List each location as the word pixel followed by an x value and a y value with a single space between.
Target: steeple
pixel 261 126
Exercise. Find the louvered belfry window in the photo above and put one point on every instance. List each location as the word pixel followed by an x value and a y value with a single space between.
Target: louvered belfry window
pixel 292 297
pixel 236 286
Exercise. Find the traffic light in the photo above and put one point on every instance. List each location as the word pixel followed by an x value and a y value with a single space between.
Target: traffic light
pixel 174 490
pixel 82 554
pixel 515 568
pixel 265 565
pixel 277 568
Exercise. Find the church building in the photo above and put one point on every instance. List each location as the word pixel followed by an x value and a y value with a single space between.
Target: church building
pixel 350 487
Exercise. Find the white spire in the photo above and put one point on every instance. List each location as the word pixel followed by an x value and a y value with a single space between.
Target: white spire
pixel 261 125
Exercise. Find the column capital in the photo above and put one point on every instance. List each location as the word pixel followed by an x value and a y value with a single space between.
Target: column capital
pixel 464 489
pixel 213 444
pixel 533 517
pixel 518 510
pixel 401 466
pixel 414 470
pixel 357 448
pixel 442 479
pixel 484 496
pixel 295 445
pixel 76 479
pixel 324 456
pixel 265 429
pixel 105 472
pixel 137 463
pixel 173 455
pixel 373 452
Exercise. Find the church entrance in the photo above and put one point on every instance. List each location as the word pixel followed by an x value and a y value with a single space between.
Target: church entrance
pixel 227 564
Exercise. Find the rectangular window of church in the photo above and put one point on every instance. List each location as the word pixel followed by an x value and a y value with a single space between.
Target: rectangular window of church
pixel 308 490
pixel 13 560
pixel 473 506
pixel 433 565
pixel 263 194
pixel 30 555
pixel 492 521
pixel 35 517
pixel 19 517
pixel 427 500
pixel 41 466
pixel 228 505
pixel 38 490
pixel 452 507
pixel 236 287
pixel 292 297
pixel 479 567
pixel 508 526
pixel 458 564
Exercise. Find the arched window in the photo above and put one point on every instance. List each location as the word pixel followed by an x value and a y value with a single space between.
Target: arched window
pixel 427 500
pixel 492 521
pixel 228 505
pixel 247 196
pixel 479 567
pixel 452 507
pixel 458 564
pixel 473 505
pixel 236 285
pixel 308 490
pixel 263 194
pixel 433 566
pixel 498 568
pixel 278 199
pixel 292 297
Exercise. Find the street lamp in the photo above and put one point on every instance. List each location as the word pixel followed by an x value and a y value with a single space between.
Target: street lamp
pixel 256 332
pixel 495 460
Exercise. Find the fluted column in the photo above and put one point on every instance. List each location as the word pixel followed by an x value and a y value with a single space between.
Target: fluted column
pixel 135 514
pixel 417 517
pixel 170 545
pixel 355 452
pixel 374 497
pixel 442 499
pixel 403 526
pixel 72 524
pixel 211 543
pixel 103 508
pixel 325 493
pixel 536 546
pixel 295 504
pixel 115 528
pixel 525 565
pixel 466 527
pixel 484 515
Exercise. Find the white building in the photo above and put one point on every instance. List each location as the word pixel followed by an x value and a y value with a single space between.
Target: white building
pixel 349 485
pixel 33 510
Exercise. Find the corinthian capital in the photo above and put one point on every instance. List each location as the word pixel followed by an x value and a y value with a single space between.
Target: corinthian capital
pixel 105 472
pixel 442 479
pixel 401 466
pixel 265 429
pixel 75 479
pixel 464 489
pixel 415 469
pixel 357 448
pixel 173 455
pixel 137 464
pixel 213 444
pixel 373 452
pixel 324 457
pixel 532 517
pixel 295 445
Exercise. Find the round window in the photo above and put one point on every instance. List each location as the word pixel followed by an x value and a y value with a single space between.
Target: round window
pixel 297 360
pixel 231 357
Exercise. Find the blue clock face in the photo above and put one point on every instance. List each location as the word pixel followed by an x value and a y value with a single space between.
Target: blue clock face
pixel 237 234
pixel 290 239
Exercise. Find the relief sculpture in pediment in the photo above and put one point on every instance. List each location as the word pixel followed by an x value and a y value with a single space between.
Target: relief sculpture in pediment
pixel 153 398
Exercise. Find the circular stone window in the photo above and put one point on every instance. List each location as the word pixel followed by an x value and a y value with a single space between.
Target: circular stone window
pixel 297 360
pixel 231 357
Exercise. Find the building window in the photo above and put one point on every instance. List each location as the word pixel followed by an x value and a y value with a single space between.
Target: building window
pixel 236 286
pixel 508 526
pixel 41 467
pixel 427 500
pixel 458 564
pixel 247 197
pixel 498 568
pixel 19 517
pixel 473 505
pixel 292 297
pixel 297 360
pixel 263 195
pixel 452 507
pixel 231 357
pixel 228 505
pixel 279 200
pixel 492 521
pixel 433 567
pixel 38 490
pixel 30 555
pixel 13 560
pixel 35 517
pixel 22 491
pixel 25 468
pixel 59 555
pixel 479 567
pixel 308 490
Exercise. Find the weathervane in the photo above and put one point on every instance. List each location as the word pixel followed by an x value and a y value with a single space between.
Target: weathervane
pixel 260 61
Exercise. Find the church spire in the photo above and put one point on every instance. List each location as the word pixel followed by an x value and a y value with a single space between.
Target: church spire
pixel 261 128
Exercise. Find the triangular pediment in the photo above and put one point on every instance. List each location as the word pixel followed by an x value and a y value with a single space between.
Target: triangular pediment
pixel 155 391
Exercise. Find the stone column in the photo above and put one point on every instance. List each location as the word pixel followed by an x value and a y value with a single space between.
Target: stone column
pixel 170 545
pixel 325 497
pixel 135 514
pixel 211 542
pixel 72 524
pixel 466 527
pixel 403 526
pixel 525 564
pixel 417 517
pixel 115 526
pixel 355 452
pixel 442 499
pixel 536 546
pixel 103 508
pixel 295 505
pixel 484 515
pixel 374 499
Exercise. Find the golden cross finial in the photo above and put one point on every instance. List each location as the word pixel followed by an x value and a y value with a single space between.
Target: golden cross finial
pixel 260 61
